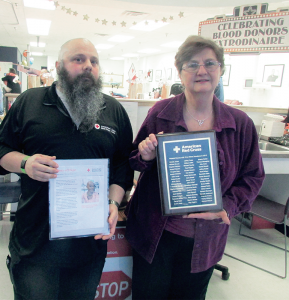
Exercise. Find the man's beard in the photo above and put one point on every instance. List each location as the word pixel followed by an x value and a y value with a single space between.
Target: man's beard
pixel 83 97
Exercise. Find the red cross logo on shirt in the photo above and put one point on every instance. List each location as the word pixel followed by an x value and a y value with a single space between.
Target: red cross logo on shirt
pixel 97 126
pixel 88 170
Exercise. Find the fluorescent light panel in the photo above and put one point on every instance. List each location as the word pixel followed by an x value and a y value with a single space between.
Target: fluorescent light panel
pixel 148 50
pixel 148 25
pixel 38 27
pixel 42 4
pixel 34 44
pixel 174 44
pixel 36 53
pixel 117 58
pixel 130 55
pixel 103 46
pixel 120 38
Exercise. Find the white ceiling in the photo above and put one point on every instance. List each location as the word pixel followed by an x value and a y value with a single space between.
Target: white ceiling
pixel 65 26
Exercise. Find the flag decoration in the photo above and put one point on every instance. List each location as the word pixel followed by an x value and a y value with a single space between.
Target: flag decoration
pixel 132 74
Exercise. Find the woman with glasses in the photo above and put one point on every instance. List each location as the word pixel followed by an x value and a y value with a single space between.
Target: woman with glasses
pixel 174 256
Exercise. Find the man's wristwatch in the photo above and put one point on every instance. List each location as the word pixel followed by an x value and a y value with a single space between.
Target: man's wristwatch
pixel 23 163
pixel 113 202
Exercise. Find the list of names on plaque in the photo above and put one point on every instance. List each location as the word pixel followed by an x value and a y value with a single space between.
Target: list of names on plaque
pixel 190 174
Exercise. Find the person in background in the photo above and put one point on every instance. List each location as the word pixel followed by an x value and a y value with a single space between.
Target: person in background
pixel 1 101
pixel 176 89
pixel 72 119
pixel 12 84
pixel 219 90
pixel 174 256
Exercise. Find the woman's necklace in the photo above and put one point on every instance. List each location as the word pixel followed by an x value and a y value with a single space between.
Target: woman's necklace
pixel 201 122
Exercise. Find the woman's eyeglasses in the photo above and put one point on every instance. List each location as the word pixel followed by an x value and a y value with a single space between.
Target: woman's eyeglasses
pixel 193 67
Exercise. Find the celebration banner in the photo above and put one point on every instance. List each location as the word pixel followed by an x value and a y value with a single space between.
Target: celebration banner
pixel 267 32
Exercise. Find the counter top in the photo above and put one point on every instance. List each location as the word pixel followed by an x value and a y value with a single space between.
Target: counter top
pixel 271 110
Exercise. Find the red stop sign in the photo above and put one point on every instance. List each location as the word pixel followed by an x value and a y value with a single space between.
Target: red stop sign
pixel 113 285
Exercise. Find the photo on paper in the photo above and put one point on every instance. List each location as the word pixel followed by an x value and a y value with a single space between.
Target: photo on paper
pixel 90 191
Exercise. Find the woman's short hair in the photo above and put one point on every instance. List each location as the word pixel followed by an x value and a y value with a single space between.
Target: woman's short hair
pixel 195 44
pixel 12 70
pixel 176 89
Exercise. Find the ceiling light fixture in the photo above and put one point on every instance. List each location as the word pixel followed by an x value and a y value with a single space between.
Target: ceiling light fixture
pixel 130 55
pixel 103 46
pixel 34 44
pixel 120 38
pixel 117 58
pixel 36 53
pixel 149 50
pixel 38 27
pixel 148 25
pixel 174 44
pixel 42 4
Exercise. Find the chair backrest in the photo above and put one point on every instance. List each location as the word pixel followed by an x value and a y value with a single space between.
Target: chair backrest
pixel 286 210
pixel 10 192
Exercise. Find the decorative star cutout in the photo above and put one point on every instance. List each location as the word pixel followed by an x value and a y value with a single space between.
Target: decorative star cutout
pixel 181 14
pixel 134 23
pixel 104 22
pixel 113 23
pixel 146 23
pixel 69 11
pixel 56 3
pixel 63 8
pixel 171 18
pixel 75 13
pixel 250 11
pixel 85 17
pixel 164 19
pixel 123 24
pixel 97 20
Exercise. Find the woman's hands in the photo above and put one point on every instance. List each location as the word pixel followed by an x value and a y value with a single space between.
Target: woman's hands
pixel 210 216
pixel 147 148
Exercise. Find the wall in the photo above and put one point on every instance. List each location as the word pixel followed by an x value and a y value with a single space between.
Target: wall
pixel 160 62
pixel 252 66
pixel 39 61
pixel 242 67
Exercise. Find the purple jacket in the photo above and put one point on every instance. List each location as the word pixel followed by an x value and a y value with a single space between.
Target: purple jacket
pixel 241 174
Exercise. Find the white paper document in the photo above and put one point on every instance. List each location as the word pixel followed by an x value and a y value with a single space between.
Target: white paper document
pixel 78 198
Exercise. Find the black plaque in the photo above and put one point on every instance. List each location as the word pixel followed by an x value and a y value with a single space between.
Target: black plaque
pixel 188 170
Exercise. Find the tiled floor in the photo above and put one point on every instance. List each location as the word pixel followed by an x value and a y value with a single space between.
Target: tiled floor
pixel 245 282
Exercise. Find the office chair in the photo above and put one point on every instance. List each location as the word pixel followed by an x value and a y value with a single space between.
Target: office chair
pixel 224 270
pixel 9 193
pixel 273 212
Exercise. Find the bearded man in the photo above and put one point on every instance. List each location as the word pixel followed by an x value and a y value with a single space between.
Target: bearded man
pixel 71 119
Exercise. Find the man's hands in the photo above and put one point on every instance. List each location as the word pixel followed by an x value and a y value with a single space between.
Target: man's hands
pixel 41 167
pixel 112 220
pixel 116 193
pixel 38 166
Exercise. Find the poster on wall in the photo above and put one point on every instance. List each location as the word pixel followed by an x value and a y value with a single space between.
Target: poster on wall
pixel 177 77
pixel 226 75
pixel 273 74
pixel 158 75
pixel 169 74
pixel 150 75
